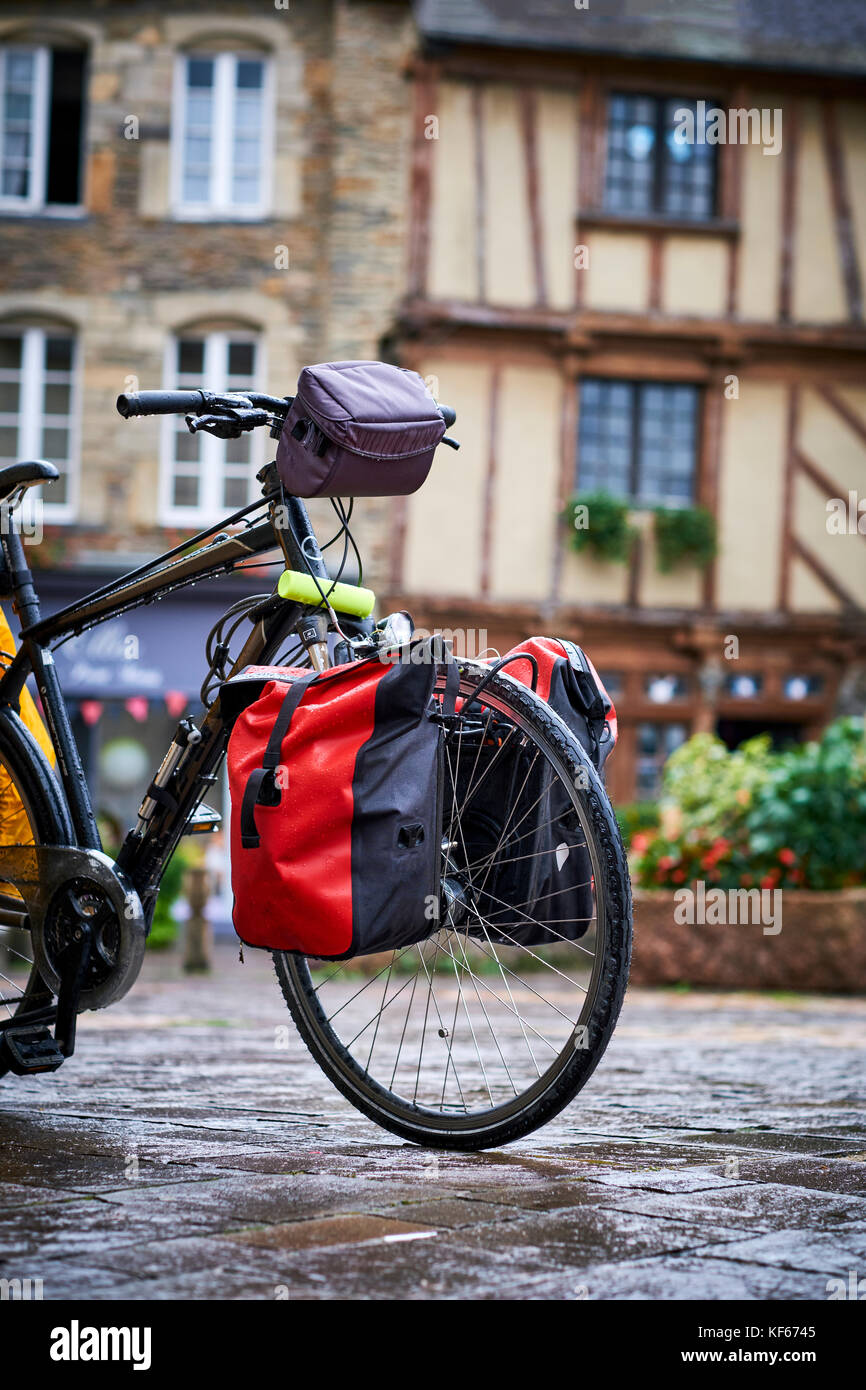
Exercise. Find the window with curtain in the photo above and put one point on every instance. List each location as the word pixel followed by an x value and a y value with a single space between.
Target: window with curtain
pixel 638 439
pixel 38 407
pixel 41 115
pixel 221 135
pixel 204 477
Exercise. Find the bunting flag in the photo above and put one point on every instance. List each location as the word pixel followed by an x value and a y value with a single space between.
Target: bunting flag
pixel 175 702
pixel 91 711
pixel 137 707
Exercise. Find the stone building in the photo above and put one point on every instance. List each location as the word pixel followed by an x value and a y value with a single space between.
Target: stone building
pixel 492 192
pixel 616 299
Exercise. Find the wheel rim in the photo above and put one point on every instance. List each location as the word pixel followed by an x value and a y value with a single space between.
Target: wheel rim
pixel 18 974
pixel 461 1032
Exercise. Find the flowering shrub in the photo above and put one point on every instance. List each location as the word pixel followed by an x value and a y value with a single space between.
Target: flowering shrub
pixel 758 818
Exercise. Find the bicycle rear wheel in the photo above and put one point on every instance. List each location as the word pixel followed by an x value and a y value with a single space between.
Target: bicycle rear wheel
pixel 31 813
pixel 474 1038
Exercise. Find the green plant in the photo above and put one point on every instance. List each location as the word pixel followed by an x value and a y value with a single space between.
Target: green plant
pixel 684 536
pixel 637 817
pixel 598 522
pixel 759 818
pixel 163 931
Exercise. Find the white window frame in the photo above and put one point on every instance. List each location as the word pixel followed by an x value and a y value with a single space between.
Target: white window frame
pixel 212 473
pixel 219 205
pixel 35 200
pixel 31 418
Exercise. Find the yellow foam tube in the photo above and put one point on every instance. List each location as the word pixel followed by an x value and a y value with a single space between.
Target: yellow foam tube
pixel 343 598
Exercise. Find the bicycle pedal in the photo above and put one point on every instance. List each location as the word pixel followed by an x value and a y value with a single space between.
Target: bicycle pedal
pixel 29 1050
pixel 203 821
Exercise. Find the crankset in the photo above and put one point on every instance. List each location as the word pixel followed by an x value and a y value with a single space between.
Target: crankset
pixel 86 922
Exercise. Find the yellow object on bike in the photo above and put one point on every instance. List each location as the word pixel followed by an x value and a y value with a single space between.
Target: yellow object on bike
pixel 14 825
pixel 343 598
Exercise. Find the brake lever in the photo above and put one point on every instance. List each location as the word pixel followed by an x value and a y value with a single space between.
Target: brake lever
pixel 231 425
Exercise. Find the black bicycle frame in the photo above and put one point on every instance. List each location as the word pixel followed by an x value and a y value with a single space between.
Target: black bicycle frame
pixel 145 853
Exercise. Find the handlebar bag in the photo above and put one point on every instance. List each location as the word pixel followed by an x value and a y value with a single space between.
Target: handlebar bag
pixel 336 806
pixel 358 429
pixel 518 816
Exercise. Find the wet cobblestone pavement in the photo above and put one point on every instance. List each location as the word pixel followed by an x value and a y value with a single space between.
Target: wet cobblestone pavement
pixel 719 1151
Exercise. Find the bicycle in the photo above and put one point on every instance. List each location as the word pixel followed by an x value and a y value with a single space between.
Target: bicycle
pixel 465 1041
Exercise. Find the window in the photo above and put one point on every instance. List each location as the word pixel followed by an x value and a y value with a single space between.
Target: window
pixel 650 168
pixel 38 407
pixel 802 686
pixel 661 689
pixel 41 107
pixel 655 744
pixel 613 682
pixel 745 686
pixel 638 439
pixel 203 477
pixel 221 150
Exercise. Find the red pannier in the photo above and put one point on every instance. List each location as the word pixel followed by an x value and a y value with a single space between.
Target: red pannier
pixel 518 818
pixel 336 808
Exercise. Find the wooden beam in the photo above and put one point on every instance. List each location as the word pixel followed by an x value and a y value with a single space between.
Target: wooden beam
pixel 843 409
pixel 529 124
pixel 793 421
pixel 565 487
pixel 488 518
pixel 731 200
pixel 845 241
pixel 710 466
pixel 656 272
pixel 480 190
pixel 790 153
pixel 421 181
pixel 821 572
pixel 590 108
pixel 823 481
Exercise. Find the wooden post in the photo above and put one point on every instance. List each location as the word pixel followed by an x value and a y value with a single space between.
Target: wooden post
pixel 197 952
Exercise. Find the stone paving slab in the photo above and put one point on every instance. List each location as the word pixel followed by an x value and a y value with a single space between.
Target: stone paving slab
pixel 191 1149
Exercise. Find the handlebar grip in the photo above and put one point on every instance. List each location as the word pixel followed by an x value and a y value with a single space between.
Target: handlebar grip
pixel 159 403
pixel 448 415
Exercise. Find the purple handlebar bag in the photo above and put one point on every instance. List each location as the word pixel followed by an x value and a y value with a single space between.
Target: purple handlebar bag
pixel 358 429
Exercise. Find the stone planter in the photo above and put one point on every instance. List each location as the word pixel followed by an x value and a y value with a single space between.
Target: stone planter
pixel 821 945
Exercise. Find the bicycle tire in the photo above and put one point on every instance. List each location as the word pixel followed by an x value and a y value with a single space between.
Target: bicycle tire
pixel 574 1065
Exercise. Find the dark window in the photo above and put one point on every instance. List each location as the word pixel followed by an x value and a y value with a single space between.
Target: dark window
pixel 63 174
pixel 655 743
pixel 658 161
pixel 41 116
pixel 638 439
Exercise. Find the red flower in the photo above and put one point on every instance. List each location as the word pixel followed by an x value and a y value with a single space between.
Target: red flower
pixel 771 879
pixel 640 843
pixel 679 876
pixel 667 861
pixel 787 856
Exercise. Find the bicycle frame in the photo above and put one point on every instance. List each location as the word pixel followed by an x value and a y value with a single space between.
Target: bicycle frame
pixel 145 852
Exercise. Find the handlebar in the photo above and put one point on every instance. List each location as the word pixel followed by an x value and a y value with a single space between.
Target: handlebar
pixel 159 403
pixel 197 402
pixel 243 409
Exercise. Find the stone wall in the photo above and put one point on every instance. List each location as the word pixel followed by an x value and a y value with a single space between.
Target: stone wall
pixel 127 274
